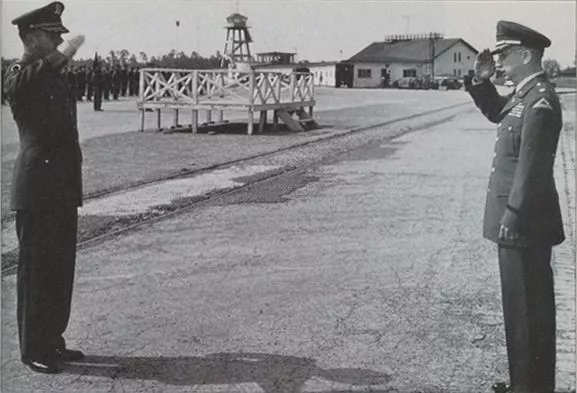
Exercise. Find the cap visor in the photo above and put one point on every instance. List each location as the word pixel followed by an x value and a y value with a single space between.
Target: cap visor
pixel 56 29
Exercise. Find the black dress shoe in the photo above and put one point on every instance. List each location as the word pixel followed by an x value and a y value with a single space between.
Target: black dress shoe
pixel 68 355
pixel 501 387
pixel 42 366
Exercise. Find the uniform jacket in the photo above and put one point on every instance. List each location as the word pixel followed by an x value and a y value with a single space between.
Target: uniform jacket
pixel 47 172
pixel 522 193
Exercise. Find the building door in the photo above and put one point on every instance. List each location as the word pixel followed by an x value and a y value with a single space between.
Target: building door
pixel 385 77
pixel 344 74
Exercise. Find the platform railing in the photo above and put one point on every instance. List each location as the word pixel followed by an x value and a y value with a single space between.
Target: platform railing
pixel 219 90
pixel 188 87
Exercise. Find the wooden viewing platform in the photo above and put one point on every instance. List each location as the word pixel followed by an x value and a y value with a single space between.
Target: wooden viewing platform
pixel 220 90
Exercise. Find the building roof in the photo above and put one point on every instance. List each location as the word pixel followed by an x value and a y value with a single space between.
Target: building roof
pixel 415 51
pixel 275 53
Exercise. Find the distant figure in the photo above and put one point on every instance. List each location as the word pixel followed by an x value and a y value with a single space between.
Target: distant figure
pixel 115 82
pixel 123 81
pixel 522 212
pixel 80 83
pixel 106 82
pixel 98 87
pixel 46 187
pixel 89 85
pixel 135 82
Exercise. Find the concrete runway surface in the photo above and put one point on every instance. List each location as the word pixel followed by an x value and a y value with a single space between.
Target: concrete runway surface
pixel 366 272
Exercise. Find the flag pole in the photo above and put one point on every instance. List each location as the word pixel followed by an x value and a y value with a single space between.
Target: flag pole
pixel 177 35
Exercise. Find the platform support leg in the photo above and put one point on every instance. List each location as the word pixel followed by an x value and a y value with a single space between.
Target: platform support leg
pixel 275 120
pixel 208 116
pixel 219 116
pixel 311 111
pixel 175 122
pixel 250 122
pixel 194 121
pixel 142 114
pixel 262 121
pixel 158 120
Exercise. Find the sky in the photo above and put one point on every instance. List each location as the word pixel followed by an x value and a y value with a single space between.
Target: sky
pixel 317 30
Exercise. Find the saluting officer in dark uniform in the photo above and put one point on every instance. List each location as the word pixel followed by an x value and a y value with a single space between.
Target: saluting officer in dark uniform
pixel 46 187
pixel 522 213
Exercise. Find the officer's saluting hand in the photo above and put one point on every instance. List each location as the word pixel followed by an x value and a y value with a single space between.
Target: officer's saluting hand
pixel 484 65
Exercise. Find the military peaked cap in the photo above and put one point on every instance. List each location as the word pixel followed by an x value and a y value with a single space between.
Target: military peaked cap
pixel 511 33
pixel 45 18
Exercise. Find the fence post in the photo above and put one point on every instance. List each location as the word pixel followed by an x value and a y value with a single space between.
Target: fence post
pixel 194 121
pixel 292 86
pixel 278 88
pixel 251 102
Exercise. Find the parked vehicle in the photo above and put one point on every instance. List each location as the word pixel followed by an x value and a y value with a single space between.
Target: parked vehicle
pixel 411 82
pixel 407 82
pixel 449 83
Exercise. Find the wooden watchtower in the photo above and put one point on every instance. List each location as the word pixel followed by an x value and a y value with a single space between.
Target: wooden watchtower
pixel 237 48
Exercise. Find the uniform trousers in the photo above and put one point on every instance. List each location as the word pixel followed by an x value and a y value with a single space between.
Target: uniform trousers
pixel 47 258
pixel 529 315
pixel 97 99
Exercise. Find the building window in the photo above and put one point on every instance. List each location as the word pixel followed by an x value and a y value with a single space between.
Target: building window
pixel 454 72
pixel 455 57
pixel 409 73
pixel 364 73
pixel 459 72
pixel 459 57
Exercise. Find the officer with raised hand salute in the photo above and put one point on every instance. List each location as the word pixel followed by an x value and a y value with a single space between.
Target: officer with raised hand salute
pixel 522 213
pixel 46 187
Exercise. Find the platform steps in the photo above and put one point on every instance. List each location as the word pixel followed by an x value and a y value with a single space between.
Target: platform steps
pixel 303 121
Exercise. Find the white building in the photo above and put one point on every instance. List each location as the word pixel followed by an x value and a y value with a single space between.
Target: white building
pixel 323 72
pixel 410 56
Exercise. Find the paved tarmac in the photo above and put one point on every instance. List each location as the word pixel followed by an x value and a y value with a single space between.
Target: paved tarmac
pixel 366 272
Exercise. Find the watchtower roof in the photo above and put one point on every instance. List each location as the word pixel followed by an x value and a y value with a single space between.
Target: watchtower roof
pixel 236 20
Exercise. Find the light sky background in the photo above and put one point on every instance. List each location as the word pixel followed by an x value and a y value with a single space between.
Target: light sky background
pixel 316 29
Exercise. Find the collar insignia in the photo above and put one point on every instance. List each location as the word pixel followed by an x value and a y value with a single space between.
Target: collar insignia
pixel 15 67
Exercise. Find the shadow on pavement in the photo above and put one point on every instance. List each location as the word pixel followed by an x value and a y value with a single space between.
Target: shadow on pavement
pixel 272 373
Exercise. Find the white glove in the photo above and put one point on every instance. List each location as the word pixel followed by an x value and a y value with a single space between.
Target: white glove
pixel 72 46
pixel 484 65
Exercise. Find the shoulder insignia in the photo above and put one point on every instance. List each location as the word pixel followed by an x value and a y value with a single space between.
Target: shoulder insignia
pixel 542 103
pixel 15 67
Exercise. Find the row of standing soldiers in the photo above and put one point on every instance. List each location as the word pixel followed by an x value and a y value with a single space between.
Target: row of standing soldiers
pixel 112 82
pixel 98 83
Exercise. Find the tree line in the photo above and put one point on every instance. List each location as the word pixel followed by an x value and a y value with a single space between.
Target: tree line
pixel 124 58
